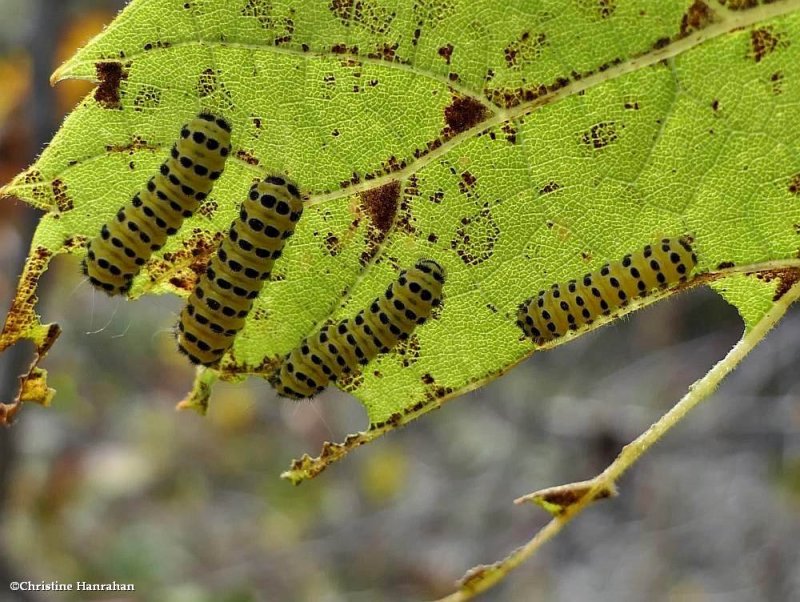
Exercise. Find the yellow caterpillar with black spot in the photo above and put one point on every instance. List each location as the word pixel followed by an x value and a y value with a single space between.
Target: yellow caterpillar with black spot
pixel 218 306
pixel 143 225
pixel 344 348
pixel 569 306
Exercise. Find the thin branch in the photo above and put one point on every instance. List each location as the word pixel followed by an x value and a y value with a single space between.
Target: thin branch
pixel 481 578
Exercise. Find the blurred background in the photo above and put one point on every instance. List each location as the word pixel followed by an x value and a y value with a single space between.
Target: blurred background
pixel 111 484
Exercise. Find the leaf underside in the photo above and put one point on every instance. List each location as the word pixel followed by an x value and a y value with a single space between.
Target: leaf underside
pixel 518 144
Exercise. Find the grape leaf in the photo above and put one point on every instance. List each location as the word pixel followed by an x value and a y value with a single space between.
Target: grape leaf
pixel 517 143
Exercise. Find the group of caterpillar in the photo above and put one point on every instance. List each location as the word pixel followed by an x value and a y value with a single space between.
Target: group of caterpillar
pixel 224 294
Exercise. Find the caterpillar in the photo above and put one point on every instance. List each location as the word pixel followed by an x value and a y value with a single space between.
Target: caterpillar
pixel 142 226
pixel 224 294
pixel 345 347
pixel 566 307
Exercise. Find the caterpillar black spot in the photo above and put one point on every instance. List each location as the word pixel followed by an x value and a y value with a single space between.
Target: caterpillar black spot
pixel 143 225
pixel 566 307
pixel 224 294
pixel 347 346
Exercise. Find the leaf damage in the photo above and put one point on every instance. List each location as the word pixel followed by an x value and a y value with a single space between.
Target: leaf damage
pixel 381 204
pixel 23 323
pixel 462 114
pixel 786 278
pixel 794 184
pixel 764 41
pixel 368 15
pixel 524 50
pixel 64 202
pixel 183 267
pixel 110 76
pixel 698 16
pixel 308 467
pixel 601 135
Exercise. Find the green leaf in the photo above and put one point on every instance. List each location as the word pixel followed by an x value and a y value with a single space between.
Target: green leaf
pixel 517 143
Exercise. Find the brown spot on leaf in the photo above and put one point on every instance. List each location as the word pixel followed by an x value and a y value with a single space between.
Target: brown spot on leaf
pixel 511 97
pixel 75 243
pixel 350 382
pixel 725 265
pixel 776 80
pixel 661 43
pixel 510 132
pixel 408 350
pixel 386 52
pixel 157 44
pixel 467 182
pixel 41 190
pixel 475 239
pixel 280 25
pixel 600 135
pixel 208 208
pixel 260 314
pixel 462 114
pixel 794 184
pixel 431 145
pixel 184 267
pixel 148 97
pixel 136 144
pixel 525 49
pixel 392 165
pixel 606 8
pixel 207 83
pixel 260 10
pixel 764 41
pixel 404 222
pixel 429 13
pixel 551 186
pixel 247 156
pixel 698 16
pixel 437 197
pixel 63 200
pixel 446 52
pixel 362 13
pixel 110 76
pixel 381 204
pixel 333 244
pixel 787 278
